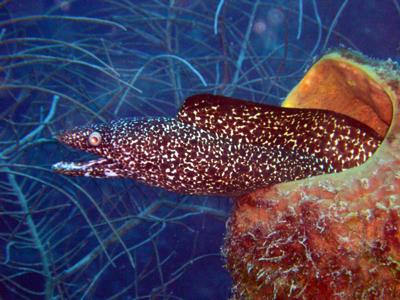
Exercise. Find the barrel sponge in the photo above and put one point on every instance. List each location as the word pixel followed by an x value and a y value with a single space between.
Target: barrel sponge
pixel 333 236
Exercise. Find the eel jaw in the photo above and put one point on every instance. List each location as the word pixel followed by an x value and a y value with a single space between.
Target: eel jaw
pixel 99 168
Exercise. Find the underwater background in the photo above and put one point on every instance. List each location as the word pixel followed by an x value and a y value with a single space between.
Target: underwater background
pixel 68 63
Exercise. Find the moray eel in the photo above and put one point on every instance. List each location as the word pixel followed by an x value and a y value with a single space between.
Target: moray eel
pixel 222 146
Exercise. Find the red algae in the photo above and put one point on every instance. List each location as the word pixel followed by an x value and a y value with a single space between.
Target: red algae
pixel 333 236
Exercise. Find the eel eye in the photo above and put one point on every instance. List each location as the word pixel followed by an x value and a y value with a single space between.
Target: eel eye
pixel 94 138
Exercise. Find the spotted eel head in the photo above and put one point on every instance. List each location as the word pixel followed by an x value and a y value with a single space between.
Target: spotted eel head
pixel 113 142
pixel 93 139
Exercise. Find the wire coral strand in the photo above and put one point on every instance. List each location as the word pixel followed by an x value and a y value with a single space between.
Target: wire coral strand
pixel 36 131
pixel 34 233
pixel 139 72
pixel 185 62
pixel 397 5
pixel 242 53
pixel 300 22
pixel 61 43
pixel 218 11
pixel 70 197
pixel 33 59
pixel 334 22
pixel 318 19
pixel 62 18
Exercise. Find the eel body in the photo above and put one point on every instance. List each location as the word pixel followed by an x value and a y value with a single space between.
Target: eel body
pixel 222 146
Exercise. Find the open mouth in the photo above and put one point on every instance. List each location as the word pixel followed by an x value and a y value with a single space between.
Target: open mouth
pixel 77 138
pixel 101 167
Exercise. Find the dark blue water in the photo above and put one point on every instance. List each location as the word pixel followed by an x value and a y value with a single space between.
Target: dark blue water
pixel 106 60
